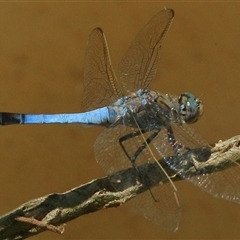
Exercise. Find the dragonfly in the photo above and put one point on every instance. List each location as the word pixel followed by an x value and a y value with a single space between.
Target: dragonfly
pixel 141 124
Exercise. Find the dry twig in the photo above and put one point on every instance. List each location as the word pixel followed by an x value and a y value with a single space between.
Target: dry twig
pixel 51 212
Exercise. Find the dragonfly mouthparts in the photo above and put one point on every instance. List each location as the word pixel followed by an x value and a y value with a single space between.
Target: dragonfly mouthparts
pixel 190 108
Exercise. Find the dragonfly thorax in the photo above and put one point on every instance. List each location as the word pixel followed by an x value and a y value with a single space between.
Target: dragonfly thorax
pixel 149 109
pixel 162 108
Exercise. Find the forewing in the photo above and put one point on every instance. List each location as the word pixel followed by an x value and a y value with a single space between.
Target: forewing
pixel 139 64
pixel 101 87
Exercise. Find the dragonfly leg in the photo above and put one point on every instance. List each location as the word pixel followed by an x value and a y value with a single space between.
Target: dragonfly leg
pixel 127 137
pixel 144 178
pixel 173 142
pixel 141 148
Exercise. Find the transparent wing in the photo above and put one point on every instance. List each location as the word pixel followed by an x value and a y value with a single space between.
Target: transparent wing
pixel 222 184
pixel 101 87
pixel 163 212
pixel 139 64
pixel 160 204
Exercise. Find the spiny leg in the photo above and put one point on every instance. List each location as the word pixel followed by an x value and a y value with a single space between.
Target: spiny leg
pixel 141 147
pixel 127 137
pixel 138 152
pixel 173 142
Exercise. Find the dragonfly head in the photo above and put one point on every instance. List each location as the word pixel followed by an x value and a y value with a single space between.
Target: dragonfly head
pixel 190 108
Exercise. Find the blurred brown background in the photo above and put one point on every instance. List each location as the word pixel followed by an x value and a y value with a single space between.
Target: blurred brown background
pixel 41 53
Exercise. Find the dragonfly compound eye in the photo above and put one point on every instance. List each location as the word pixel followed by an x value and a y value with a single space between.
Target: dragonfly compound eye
pixel 190 108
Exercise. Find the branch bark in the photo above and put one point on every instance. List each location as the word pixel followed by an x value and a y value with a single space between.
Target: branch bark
pixel 51 212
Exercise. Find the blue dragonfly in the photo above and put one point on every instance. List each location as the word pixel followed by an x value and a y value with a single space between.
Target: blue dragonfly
pixel 141 124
